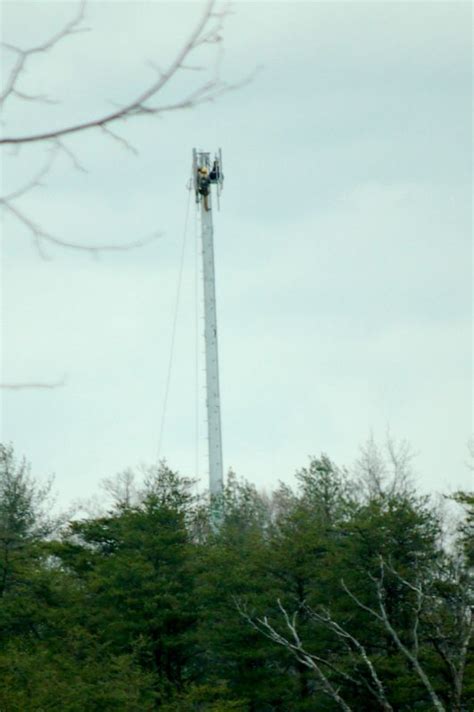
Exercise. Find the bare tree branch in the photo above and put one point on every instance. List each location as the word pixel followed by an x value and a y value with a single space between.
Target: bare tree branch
pixel 344 634
pixel 23 55
pixel 61 146
pixel 122 141
pixel 35 182
pixel 40 236
pixel 310 661
pixel 411 656
pixel 31 386
pixel 419 601
pixel 207 31
pixel 359 602
pixel 448 625
pixel 384 471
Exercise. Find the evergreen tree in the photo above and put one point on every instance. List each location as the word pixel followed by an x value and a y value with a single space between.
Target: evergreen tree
pixel 335 595
pixel 135 565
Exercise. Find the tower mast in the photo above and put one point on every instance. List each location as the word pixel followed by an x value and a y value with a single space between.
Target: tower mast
pixel 207 177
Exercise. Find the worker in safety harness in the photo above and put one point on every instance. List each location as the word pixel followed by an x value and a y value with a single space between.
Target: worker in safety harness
pixel 203 183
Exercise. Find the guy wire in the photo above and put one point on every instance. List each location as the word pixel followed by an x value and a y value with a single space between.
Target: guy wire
pixel 175 321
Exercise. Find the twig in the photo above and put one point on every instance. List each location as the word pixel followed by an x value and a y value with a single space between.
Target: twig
pixel 40 236
pixel 31 386
pixel 23 56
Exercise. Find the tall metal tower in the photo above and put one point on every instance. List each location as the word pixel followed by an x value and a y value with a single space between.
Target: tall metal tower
pixel 207 177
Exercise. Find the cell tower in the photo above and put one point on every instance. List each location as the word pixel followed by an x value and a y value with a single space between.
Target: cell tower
pixel 209 176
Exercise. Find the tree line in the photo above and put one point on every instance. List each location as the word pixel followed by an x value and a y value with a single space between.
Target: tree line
pixel 346 591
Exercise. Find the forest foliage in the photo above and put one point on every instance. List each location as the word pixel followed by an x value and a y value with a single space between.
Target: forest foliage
pixel 343 592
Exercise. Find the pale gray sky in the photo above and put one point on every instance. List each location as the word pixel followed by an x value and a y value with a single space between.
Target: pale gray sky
pixel 343 246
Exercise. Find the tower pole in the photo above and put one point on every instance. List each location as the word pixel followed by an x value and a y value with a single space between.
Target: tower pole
pixel 210 336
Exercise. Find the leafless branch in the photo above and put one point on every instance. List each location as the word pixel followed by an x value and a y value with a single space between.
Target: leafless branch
pixel 207 31
pixel 449 624
pixel 39 385
pixel 382 616
pixel 122 141
pixel 344 634
pixel 35 182
pixel 40 236
pixel 23 55
pixel 419 601
pixel 61 146
pixel 384 471
pixel 33 97
pixel 465 642
pixel 313 662
pixel 359 602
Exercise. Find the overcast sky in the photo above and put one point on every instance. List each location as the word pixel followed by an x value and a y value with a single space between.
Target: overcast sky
pixel 343 244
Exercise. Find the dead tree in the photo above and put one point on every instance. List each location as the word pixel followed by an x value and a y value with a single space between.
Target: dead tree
pixel 443 623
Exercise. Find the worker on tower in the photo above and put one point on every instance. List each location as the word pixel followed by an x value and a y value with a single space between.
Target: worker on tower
pixel 203 185
pixel 215 173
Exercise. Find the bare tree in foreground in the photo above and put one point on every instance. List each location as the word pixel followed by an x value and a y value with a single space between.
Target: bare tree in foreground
pixel 445 623
pixel 147 103
pixel 207 31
